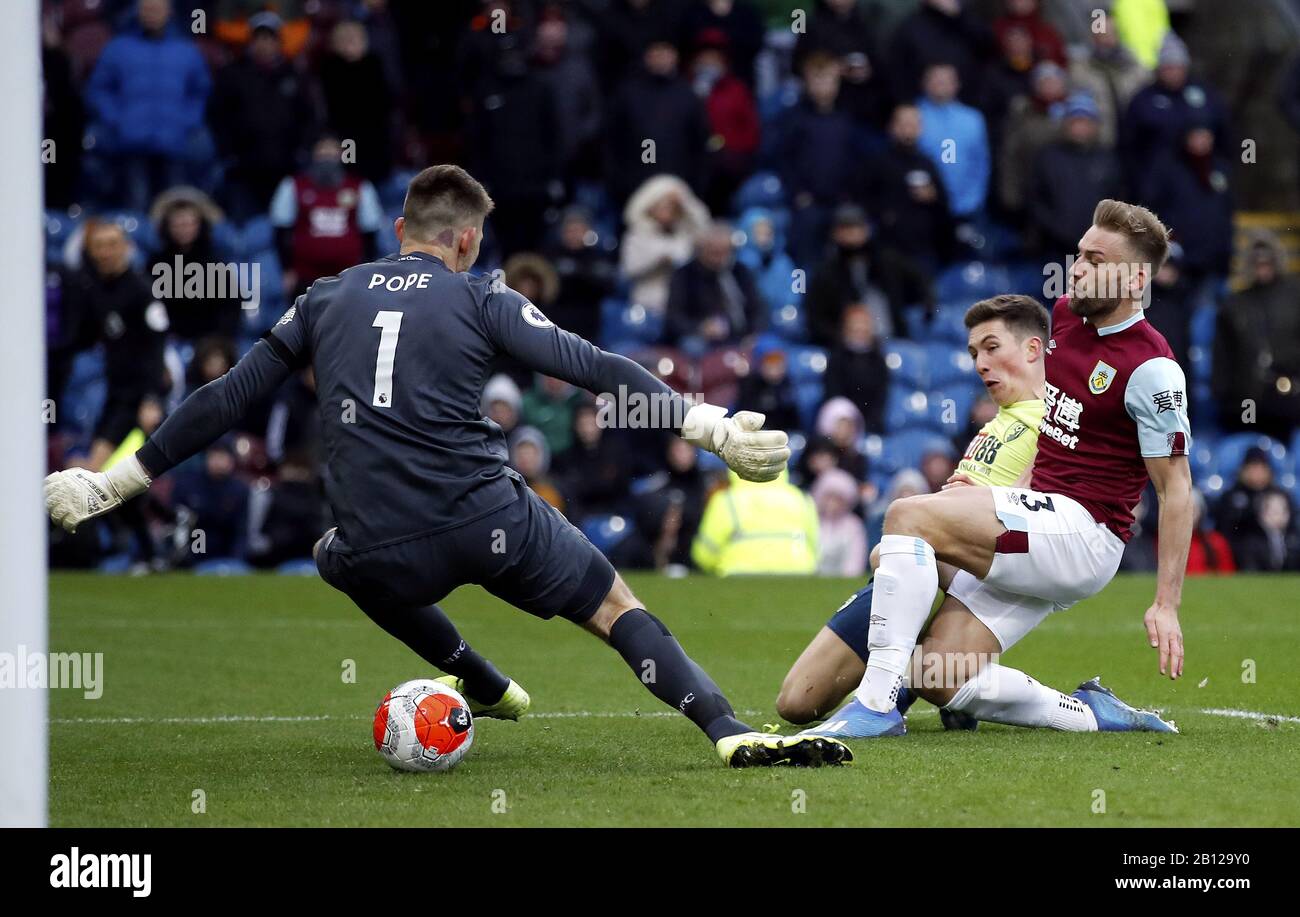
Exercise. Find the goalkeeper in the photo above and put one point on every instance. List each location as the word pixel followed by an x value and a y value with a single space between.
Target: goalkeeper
pixel 416 476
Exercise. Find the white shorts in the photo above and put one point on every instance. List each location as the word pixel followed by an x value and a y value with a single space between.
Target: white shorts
pixel 1052 555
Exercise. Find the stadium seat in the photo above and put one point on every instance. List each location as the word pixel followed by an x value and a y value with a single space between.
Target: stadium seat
pixel 807 363
pixel 950 405
pixel 227 241
pixel 59 226
pixel 787 321
pixel 906 449
pixel 258 234
pixel 1202 327
pixel 222 566
pixel 907 409
pixel 948 324
pixel 392 191
pixel 948 365
pixel 971 280
pixel 1229 452
pixel 622 321
pixel 914 322
pixel 906 363
pixel 605 532
pixel 303 566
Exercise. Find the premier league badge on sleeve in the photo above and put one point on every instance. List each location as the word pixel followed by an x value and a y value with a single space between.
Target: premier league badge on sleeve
pixel 1102 375
pixel 535 317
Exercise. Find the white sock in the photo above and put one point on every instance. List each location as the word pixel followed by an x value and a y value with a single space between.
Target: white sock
pixel 1002 695
pixel 906 583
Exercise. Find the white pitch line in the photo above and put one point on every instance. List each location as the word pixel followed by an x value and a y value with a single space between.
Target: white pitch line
pixel 550 714
pixel 1250 715
pixel 205 720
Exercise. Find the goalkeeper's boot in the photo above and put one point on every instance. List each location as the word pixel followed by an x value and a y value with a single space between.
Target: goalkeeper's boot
pixel 1113 715
pixel 765 749
pixel 513 704
pixel 855 720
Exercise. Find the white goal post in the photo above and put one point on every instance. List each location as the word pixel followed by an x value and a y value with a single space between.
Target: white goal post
pixel 23 748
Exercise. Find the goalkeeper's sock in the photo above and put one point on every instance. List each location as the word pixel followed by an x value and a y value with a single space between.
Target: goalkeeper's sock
pixel 656 657
pixel 1002 695
pixel 906 583
pixel 431 634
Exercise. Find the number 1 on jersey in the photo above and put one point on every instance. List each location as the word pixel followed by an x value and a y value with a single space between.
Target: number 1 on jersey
pixel 391 323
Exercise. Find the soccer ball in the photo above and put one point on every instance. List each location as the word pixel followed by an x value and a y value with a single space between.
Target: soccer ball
pixel 423 725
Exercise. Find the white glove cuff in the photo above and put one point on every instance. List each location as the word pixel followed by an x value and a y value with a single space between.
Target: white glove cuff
pixel 700 422
pixel 128 478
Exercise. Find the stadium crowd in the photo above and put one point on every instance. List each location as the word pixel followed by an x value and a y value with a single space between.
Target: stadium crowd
pixel 783 211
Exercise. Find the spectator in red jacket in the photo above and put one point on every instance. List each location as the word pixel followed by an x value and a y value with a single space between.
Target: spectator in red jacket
pixel 1025 16
pixel 732 115
pixel 1209 551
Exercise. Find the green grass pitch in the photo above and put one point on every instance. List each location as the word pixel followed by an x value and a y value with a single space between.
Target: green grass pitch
pixel 194 668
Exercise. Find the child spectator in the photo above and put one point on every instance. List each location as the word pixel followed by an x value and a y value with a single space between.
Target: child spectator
pixel 842 538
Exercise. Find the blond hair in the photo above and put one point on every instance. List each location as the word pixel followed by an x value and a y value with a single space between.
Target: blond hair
pixel 1147 237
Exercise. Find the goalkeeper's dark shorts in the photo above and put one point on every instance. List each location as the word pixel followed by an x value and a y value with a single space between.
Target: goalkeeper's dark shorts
pixel 525 553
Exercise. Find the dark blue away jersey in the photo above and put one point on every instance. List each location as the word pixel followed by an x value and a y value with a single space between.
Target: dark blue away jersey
pixel 401 349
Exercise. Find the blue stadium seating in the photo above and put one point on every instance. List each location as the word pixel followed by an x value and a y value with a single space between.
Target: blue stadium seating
pixel 222 566
pixel 948 324
pixel 906 449
pixel 962 398
pixel 258 234
pixel 948 365
pixel 303 566
pixel 59 227
pixel 621 321
pixel 907 409
pixel 1225 457
pixel 968 281
pixel 906 362
pixel 787 320
pixel 605 532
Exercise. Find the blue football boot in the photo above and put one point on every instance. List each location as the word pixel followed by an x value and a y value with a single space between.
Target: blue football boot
pixel 855 720
pixel 1113 715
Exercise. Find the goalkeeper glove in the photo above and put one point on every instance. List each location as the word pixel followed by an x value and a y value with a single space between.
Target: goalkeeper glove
pixel 75 495
pixel 753 453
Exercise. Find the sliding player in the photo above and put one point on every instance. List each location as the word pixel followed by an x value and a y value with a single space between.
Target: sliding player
pixel 417 478
pixel 1007 339
pixel 1115 416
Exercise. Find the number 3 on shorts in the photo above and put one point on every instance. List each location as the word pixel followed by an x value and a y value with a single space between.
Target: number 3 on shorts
pixel 391 323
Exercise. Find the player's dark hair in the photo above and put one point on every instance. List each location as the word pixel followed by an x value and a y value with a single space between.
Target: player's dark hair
pixel 1024 316
pixel 443 198
pixel 1146 235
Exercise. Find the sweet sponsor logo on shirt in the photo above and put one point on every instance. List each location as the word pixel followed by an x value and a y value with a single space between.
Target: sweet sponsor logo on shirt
pixel 288 316
pixel 1102 375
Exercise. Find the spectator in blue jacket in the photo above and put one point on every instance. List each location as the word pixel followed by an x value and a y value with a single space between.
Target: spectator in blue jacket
pixel 763 252
pixel 956 139
pixel 147 95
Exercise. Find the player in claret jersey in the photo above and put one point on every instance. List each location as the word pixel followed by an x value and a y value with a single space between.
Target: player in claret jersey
pixel 1008 341
pixel 1115 415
